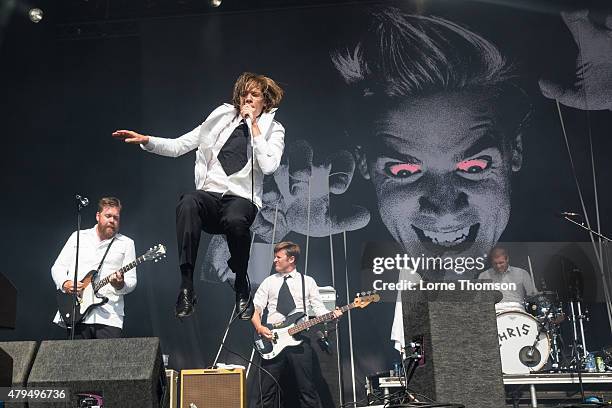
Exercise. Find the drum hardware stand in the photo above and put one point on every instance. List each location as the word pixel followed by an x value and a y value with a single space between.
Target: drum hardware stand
pixel 552 328
pixel 578 358
pixel 555 350
pixel 577 315
pixel 578 367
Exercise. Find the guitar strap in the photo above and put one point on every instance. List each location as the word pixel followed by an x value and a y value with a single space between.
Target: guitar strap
pixel 105 253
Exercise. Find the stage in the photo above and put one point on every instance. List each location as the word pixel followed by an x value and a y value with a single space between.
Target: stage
pixel 537 389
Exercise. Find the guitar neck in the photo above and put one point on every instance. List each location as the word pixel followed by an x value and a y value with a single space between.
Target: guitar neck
pixel 124 269
pixel 320 319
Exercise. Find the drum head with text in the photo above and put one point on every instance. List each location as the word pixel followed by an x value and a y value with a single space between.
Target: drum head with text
pixel 520 352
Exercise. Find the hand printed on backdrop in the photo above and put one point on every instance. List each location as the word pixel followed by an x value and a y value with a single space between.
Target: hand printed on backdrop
pixel 592 87
pixel 286 198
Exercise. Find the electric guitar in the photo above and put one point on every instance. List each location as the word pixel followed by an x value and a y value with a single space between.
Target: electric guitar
pixel 89 298
pixel 283 333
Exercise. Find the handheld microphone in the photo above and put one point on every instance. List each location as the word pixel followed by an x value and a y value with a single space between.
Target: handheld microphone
pixel 83 201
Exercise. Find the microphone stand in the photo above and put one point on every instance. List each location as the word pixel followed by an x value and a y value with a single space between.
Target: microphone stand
pixel 580 316
pixel 584 227
pixel 76 270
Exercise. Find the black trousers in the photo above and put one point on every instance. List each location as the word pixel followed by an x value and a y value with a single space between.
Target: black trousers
pixel 96 331
pixel 232 216
pixel 296 361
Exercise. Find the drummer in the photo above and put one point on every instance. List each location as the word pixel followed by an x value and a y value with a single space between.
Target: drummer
pixel 502 272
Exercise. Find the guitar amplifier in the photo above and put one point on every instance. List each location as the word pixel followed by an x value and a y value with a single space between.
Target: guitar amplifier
pixel 328 297
pixel 213 388
pixel 172 376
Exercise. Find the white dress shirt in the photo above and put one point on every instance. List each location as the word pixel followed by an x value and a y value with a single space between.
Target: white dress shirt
pixel 267 295
pixel 91 251
pixel 397 328
pixel 210 136
pixel 518 276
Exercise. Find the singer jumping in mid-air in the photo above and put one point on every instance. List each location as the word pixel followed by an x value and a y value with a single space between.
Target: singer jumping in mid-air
pixel 229 184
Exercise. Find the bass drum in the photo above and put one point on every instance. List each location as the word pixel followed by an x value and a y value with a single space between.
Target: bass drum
pixel 520 352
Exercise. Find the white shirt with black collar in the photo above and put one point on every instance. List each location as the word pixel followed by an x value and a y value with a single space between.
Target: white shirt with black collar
pixel 267 295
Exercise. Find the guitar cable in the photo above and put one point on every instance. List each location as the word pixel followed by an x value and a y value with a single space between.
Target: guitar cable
pixel 279 390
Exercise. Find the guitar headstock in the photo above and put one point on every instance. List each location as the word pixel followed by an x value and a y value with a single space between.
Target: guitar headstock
pixel 365 298
pixel 155 254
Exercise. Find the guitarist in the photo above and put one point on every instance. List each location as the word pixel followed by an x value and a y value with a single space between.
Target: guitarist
pixel 105 321
pixel 282 293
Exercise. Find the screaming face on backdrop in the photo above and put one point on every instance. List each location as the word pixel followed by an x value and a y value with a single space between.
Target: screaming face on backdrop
pixel 441 131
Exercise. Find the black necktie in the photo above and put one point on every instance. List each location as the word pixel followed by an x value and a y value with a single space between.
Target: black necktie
pixel 285 303
pixel 233 154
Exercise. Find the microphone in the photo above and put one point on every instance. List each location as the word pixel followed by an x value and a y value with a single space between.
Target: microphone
pixel 83 201
pixel 323 342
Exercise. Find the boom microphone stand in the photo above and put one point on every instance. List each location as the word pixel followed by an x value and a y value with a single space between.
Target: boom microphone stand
pixel 81 203
pixel 567 216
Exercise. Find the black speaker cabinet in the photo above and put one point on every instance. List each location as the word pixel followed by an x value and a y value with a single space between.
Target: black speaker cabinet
pixel 461 348
pixel 22 355
pixel 6 369
pixel 123 372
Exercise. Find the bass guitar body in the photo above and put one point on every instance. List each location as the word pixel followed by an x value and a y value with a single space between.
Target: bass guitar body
pixel 281 340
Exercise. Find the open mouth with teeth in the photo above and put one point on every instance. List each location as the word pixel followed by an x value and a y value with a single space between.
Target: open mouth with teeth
pixel 453 241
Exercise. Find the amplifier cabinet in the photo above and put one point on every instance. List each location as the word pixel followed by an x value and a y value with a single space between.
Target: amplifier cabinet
pixel 218 388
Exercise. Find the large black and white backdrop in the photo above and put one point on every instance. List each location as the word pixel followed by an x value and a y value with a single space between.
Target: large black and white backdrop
pixel 384 166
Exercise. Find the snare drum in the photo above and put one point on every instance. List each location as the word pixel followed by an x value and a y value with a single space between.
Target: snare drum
pixel 519 351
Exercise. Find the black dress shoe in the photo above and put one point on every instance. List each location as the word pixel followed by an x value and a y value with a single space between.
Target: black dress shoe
pixel 185 304
pixel 244 306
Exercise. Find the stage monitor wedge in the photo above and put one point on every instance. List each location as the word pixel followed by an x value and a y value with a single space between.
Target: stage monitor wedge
pixel 124 372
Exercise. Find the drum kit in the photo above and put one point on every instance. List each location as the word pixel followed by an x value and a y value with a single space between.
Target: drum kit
pixel 531 339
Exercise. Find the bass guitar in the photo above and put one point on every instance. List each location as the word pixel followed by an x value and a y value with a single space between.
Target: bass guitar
pixel 283 334
pixel 89 298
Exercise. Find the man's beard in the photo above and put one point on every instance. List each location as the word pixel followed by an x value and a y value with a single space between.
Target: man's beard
pixel 107 232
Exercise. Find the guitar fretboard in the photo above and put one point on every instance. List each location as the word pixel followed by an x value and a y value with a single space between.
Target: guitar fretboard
pixel 124 269
pixel 320 319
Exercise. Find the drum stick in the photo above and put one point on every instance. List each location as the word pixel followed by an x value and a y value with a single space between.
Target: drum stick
pixel 531 271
